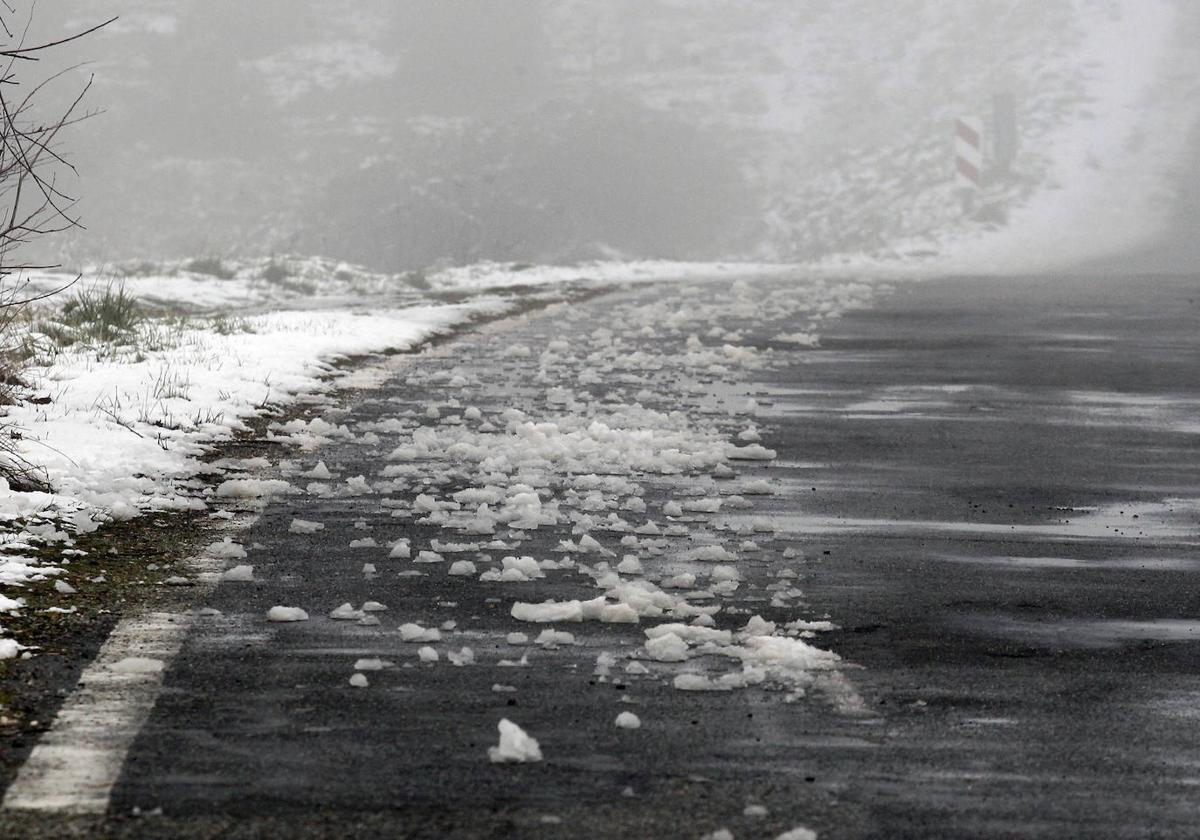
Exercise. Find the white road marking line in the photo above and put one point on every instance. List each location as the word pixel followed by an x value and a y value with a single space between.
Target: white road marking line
pixel 76 762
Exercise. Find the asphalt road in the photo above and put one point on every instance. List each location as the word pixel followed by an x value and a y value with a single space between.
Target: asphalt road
pixel 994 488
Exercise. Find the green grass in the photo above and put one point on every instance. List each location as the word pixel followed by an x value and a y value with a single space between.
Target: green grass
pixel 99 315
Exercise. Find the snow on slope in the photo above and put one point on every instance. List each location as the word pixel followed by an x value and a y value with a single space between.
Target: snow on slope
pixel 1102 115
pixel 124 428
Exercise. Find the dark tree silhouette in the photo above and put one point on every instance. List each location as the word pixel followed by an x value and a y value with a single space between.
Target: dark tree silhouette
pixel 33 202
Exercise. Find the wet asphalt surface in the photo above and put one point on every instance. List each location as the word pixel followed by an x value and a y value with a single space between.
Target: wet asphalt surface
pixel 993 486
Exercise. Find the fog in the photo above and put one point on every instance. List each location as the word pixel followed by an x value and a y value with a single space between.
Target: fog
pixel 408 133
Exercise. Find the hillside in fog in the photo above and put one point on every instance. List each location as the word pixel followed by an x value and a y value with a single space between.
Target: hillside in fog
pixel 401 134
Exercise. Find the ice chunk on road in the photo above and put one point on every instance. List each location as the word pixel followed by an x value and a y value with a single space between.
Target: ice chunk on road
pixel 515 570
pixel 239 574
pixel 400 550
pixel 286 614
pixel 226 549
pixel 516 746
pixel 411 632
pixel 708 554
pixel 757 626
pixel 691 633
pixel 699 682
pixel 798 833
pixel 466 656
pixel 553 638
pixel 320 471
pixel 359 681
pixel 547 612
pixel 630 565
pixel 346 612
pixel 428 654
pixel 752 452
pixel 462 567
pixel 667 648
pixel 304 526
pixel 252 488
pixel 370 664
pixel 628 720
pixel 428 557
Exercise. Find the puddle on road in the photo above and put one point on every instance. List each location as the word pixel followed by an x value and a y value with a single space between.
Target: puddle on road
pixel 1085 633
pixel 1133 564
pixel 1171 520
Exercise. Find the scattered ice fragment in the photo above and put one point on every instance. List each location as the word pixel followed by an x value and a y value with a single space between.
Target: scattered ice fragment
pixel 462 568
pixel 708 554
pixel 400 550
pixel 226 549
pixel 500 688
pixel 466 656
pixel 428 557
pixel 175 580
pixel 368 569
pixel 365 542
pixel 515 745
pixel 368 665
pixel 64 588
pixel 755 810
pixel 719 834
pixel 517 639
pixel 252 488
pixel 373 606
pixel 628 720
pixel 410 632
pixel 320 471
pixel 304 526
pixel 553 638
pixel 9 649
pixel 630 565
pixel 239 574
pixel 346 612
pixel 667 648
pixel 547 612
pixel 286 614
pixel 359 681
pixel 428 654
pixel 798 833
pixel 698 682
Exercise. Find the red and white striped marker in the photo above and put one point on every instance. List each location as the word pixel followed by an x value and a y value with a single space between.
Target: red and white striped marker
pixel 968 152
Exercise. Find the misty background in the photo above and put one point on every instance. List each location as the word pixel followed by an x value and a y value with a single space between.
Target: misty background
pixel 402 134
